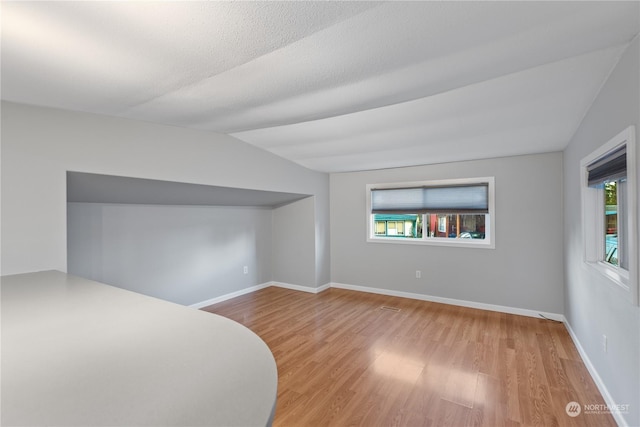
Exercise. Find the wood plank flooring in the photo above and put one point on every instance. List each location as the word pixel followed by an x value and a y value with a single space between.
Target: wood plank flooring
pixel 343 360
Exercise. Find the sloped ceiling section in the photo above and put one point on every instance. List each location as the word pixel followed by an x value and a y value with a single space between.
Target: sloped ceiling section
pixel 334 86
pixel 96 188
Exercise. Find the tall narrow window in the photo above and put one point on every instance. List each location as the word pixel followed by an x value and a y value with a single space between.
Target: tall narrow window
pixel 611 223
pixel 607 175
pixel 609 212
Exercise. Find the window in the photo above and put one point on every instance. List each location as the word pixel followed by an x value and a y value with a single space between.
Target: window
pixel 446 212
pixel 609 212
pixel 616 252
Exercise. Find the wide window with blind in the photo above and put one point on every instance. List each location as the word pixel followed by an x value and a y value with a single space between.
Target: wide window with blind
pixel 446 212
pixel 610 213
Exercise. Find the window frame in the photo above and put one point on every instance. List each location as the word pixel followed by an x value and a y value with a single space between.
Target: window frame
pixel 594 216
pixel 487 243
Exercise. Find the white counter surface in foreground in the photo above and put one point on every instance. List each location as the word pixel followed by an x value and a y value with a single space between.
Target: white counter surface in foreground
pixel 79 353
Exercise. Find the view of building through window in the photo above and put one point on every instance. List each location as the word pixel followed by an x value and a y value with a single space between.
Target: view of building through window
pixel 611 222
pixel 408 226
pixel 453 226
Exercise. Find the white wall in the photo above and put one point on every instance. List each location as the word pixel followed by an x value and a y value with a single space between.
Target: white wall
pixel 292 230
pixel 524 271
pixel 39 145
pixel 183 254
pixel 592 307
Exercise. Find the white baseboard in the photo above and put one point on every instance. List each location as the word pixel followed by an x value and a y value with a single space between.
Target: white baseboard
pixel 422 297
pixel 301 288
pixel 225 297
pixel 451 301
pixel 235 294
pixel 608 399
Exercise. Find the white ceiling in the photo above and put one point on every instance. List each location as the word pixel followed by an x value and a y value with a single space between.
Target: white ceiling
pixel 334 86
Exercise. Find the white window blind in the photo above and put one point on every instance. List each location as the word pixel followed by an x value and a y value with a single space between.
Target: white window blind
pixel 451 199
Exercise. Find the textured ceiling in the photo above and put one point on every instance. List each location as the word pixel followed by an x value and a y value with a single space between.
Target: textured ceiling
pixel 334 86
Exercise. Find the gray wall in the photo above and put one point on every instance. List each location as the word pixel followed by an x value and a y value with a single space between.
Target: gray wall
pixel 592 306
pixel 292 231
pixel 525 270
pixel 39 145
pixel 183 254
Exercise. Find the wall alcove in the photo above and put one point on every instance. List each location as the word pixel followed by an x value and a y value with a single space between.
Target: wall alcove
pixel 184 242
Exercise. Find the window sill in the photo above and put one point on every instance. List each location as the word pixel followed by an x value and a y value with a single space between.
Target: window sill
pixel 616 276
pixel 434 241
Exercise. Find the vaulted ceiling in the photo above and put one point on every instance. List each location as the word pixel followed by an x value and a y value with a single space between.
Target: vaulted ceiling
pixel 334 86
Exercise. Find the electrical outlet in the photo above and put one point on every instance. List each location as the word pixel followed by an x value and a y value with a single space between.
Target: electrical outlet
pixel 604 343
pixel 418 274
pixel 245 269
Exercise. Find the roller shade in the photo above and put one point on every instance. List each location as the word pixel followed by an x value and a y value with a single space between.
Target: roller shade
pixel 452 199
pixel 611 167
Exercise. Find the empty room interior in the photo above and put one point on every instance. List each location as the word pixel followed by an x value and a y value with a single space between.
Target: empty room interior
pixel 320 213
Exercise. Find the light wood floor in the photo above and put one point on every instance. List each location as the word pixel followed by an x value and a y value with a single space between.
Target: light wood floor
pixel 343 360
